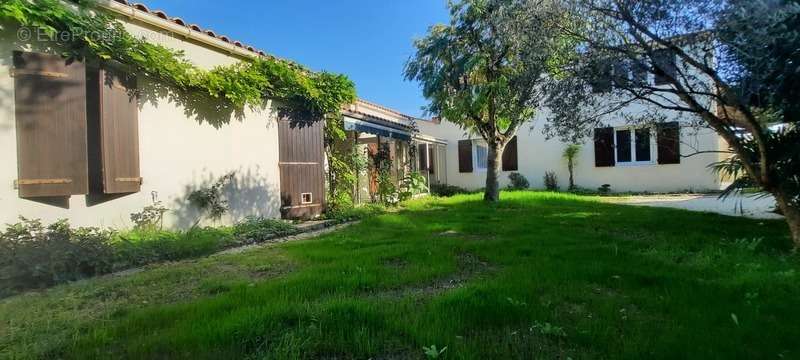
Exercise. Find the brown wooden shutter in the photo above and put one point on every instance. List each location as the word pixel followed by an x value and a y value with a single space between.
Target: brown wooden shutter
pixel 604 147
pixel 119 126
pixel 465 156
pixel 50 111
pixel 422 155
pixel 510 155
pixel 669 143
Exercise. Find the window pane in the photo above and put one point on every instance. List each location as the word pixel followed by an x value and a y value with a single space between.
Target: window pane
pixel 664 66
pixel 623 145
pixel 640 71
pixel 600 79
pixel 642 144
pixel 481 156
pixel 621 73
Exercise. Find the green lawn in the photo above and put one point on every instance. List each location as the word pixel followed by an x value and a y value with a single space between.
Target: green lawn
pixel 538 275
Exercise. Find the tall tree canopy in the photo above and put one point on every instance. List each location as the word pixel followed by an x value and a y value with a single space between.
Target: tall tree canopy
pixel 485 70
pixel 729 65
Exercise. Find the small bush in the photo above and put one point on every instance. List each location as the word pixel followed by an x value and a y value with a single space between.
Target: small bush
pixel 517 181
pixel 355 213
pixel 34 256
pixel 151 217
pixel 446 190
pixel 550 181
pixel 604 189
pixel 141 247
pixel 583 191
pixel 257 229
pixel 412 184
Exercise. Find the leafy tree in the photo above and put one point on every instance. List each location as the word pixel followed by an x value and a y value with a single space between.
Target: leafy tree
pixel 486 69
pixel 727 65
pixel 571 154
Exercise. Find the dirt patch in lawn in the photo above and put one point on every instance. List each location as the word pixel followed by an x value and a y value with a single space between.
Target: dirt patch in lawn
pixel 459 235
pixel 469 267
pixel 396 263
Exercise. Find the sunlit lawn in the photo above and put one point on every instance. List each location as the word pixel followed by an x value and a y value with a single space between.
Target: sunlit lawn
pixel 538 275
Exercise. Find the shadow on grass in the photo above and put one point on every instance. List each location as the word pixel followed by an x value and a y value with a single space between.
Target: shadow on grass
pixel 570 277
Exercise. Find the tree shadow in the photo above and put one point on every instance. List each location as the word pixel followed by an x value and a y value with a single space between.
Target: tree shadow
pixel 247 194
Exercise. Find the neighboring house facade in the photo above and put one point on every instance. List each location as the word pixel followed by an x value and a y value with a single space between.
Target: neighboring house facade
pixel 671 156
pixel 623 156
pixel 75 145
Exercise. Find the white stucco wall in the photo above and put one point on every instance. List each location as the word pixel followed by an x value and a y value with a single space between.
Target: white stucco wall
pixel 537 155
pixel 178 153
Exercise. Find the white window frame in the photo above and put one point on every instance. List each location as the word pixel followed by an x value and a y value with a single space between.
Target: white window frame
pixel 634 161
pixel 475 144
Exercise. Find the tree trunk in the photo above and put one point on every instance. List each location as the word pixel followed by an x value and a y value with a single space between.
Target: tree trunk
pixel 571 177
pixel 492 192
pixel 791 214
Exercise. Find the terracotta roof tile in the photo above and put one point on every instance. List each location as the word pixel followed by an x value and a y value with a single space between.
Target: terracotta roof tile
pixel 194 27
pixel 160 14
pixel 178 21
pixel 141 7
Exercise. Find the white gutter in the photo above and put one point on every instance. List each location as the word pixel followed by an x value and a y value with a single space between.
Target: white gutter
pixel 352 120
pixel 430 139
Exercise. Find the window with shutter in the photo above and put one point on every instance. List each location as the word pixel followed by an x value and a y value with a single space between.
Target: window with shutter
pixel 664 66
pixel 114 132
pixel 510 155
pixel 639 73
pixel 622 73
pixel 668 140
pixel 50 111
pixel 602 82
pixel 604 147
pixel 465 156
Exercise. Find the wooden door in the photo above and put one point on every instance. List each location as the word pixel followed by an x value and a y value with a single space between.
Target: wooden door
pixel 301 154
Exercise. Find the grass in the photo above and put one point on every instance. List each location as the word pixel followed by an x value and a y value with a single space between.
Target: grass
pixel 537 275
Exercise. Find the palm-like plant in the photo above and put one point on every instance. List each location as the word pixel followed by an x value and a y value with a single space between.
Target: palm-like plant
pixel 571 154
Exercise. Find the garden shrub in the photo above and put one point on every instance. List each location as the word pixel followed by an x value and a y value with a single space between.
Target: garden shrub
pixel 355 213
pixel 34 256
pixel 550 181
pixel 604 189
pixel 151 217
pixel 412 184
pixel 141 247
pixel 257 229
pixel 446 190
pixel 517 181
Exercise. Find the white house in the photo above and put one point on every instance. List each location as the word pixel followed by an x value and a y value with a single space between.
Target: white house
pixel 73 146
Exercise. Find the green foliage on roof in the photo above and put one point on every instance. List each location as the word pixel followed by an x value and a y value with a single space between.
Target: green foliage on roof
pixel 83 31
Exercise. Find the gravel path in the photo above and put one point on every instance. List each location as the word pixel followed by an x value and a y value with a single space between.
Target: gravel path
pixel 738 205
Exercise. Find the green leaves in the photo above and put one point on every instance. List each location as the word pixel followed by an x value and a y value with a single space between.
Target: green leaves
pixel 95 34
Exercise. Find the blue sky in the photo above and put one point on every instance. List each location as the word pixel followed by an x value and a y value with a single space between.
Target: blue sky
pixel 367 40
